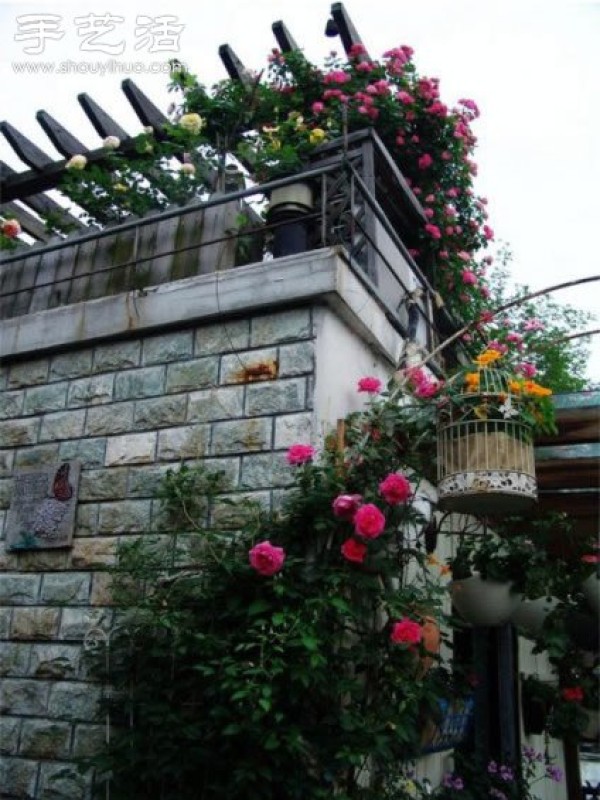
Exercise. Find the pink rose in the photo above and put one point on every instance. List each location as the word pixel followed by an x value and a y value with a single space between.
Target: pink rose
pixel 395 489
pixel 425 161
pixel 526 369
pixel 11 228
pixel 488 232
pixel 300 454
pixel 317 107
pixel 345 506
pixel 369 384
pixel 266 559
pixel 469 277
pixel 427 389
pixel 369 522
pixel 433 231
pixel 354 551
pixel 406 98
pixel 406 631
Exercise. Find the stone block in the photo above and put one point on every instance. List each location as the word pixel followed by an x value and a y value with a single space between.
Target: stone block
pixel 5 622
pixel 276 397
pixel 160 412
pixel 40 560
pixel 88 740
pixel 19 589
pixel 41 399
pixel 101 592
pixel 7 458
pixel 74 701
pixel 144 481
pixel 62 425
pixel 93 553
pixel 284 326
pixel 116 356
pixel 215 404
pixel 28 373
pixel 77 622
pixel 242 436
pixel 222 337
pixel 86 520
pixel 110 419
pixel 189 441
pixel 18 778
pixel 145 382
pixel 249 367
pixel 17 432
pixel 168 347
pixel 40 455
pixel 6 489
pixel 71 365
pixel 54 660
pixel 296 359
pixel 11 404
pixel 62 781
pixel 35 623
pixel 265 471
pixel 90 452
pixel 65 588
pixel 134 448
pixel 125 516
pixel 92 391
pixel 23 697
pixel 9 735
pixel 43 739
pixel 239 509
pixel 230 467
pixel 293 429
pixel 103 484
pixel 189 375
pixel 14 659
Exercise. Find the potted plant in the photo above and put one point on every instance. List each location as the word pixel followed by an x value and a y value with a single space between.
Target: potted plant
pixel 489 573
pixel 487 416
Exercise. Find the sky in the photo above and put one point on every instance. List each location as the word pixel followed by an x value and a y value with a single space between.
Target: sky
pixel 532 67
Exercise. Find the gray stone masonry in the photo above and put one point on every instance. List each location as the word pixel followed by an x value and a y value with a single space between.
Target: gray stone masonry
pixel 234 394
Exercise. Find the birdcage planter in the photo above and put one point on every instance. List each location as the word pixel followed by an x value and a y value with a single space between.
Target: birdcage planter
pixel 486 458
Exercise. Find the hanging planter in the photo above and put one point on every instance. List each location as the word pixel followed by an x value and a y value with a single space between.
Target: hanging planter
pixel 530 615
pixel 486 459
pixel 482 602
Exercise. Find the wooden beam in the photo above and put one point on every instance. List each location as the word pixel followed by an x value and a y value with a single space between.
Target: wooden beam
pixel 41 203
pixel 30 224
pixel 27 151
pixel 103 123
pixel 348 33
pixel 146 111
pixel 64 141
pixel 284 38
pixel 234 66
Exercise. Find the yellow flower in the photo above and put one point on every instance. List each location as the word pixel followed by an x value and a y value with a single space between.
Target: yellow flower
pixel 270 129
pixel 317 135
pixel 534 389
pixel 76 162
pixel 120 187
pixel 488 357
pixel 193 123
pixel 481 411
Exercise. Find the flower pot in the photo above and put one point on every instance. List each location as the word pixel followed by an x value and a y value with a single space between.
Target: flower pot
pixel 486 467
pixel 530 615
pixel 483 603
pixel 288 207
pixel 591 591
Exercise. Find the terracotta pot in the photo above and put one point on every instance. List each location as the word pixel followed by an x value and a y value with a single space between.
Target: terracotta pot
pixel 483 603
pixel 530 615
pixel 591 591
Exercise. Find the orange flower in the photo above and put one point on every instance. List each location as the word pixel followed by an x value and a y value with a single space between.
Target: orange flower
pixel 534 389
pixel 488 357
pixel 515 386
pixel 433 560
pixel 445 569
pixel 472 380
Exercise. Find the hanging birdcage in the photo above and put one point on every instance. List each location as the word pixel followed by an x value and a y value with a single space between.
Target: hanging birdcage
pixel 485 450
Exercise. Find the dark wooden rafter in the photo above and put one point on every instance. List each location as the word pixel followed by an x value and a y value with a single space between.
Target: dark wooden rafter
pixel 103 123
pixel 30 224
pixel 41 203
pixel 284 38
pixel 346 30
pixel 234 66
pixel 27 151
pixel 66 144
pixel 146 111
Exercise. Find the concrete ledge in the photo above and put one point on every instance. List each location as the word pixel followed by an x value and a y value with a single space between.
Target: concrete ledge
pixel 316 276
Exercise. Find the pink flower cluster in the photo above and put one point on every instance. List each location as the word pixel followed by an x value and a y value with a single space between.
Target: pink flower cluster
pixel 369 384
pixel 300 454
pixel 406 631
pixel 422 385
pixel 266 559
pixel 10 228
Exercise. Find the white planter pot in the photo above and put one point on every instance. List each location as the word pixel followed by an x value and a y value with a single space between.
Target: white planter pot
pixel 591 591
pixel 296 197
pixel 529 615
pixel 484 603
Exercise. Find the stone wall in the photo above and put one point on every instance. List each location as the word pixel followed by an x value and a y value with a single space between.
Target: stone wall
pixel 234 393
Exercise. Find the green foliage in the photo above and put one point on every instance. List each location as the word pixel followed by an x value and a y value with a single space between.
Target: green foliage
pixel 228 683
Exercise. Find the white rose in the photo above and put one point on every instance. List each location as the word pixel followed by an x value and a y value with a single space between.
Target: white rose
pixel 188 169
pixel 76 162
pixel 111 142
pixel 193 123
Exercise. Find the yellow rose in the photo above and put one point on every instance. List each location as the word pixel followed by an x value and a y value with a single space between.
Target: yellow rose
pixel 488 357
pixel 317 135
pixel 193 123
pixel 76 162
